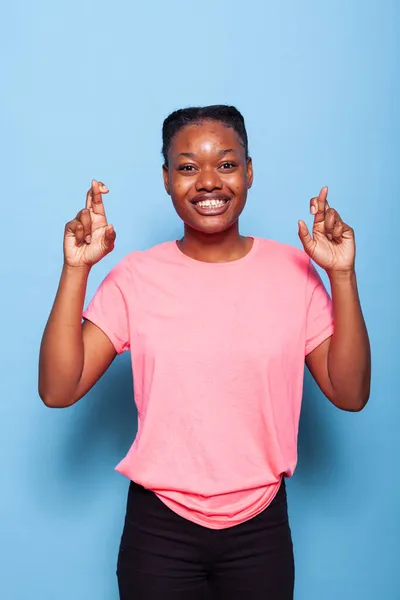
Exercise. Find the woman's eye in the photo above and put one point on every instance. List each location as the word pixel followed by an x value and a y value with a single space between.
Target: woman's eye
pixel 228 165
pixel 187 168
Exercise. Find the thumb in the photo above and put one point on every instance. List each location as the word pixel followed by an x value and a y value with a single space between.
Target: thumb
pixel 109 237
pixel 305 237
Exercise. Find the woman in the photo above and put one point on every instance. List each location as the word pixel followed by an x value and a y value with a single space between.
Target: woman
pixel 219 326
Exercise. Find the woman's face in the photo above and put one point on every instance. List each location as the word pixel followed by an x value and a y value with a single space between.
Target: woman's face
pixel 208 176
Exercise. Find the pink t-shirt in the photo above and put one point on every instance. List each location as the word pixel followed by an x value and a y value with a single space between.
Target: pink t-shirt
pixel 218 364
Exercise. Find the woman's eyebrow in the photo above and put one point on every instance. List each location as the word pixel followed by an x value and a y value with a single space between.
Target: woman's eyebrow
pixel 228 151
pixel 220 153
pixel 187 154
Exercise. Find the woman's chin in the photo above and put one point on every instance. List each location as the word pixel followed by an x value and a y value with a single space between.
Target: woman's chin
pixel 210 225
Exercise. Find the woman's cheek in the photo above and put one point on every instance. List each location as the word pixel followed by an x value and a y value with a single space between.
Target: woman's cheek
pixel 235 183
pixel 181 186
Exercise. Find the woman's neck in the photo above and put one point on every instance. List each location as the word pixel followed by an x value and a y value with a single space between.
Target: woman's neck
pixel 226 246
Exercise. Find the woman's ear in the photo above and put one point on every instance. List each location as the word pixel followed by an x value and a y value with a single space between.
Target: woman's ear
pixel 166 178
pixel 250 174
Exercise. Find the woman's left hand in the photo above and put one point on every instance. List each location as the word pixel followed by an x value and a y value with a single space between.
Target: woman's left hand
pixel 331 244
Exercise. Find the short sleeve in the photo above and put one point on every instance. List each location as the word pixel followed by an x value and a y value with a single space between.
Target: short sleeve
pixel 319 322
pixel 108 308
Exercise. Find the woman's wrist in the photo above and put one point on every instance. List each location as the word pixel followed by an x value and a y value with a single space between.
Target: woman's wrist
pixel 81 272
pixel 342 277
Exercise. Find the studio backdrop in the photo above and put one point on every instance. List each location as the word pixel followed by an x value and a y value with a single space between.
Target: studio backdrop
pixel 85 87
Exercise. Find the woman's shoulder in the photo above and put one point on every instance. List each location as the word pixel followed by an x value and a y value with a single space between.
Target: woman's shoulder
pixel 146 257
pixel 282 251
pixel 283 262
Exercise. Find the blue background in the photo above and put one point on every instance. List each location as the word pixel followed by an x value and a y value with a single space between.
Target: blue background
pixel 85 87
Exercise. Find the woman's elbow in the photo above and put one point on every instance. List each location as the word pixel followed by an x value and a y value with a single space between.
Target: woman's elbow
pixel 354 403
pixel 54 401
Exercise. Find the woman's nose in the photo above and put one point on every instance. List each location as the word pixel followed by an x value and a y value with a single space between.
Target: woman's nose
pixel 209 180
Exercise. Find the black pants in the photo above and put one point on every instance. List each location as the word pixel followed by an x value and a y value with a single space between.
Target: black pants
pixel 166 557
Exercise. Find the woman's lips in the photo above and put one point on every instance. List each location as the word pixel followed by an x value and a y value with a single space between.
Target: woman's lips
pixel 212 207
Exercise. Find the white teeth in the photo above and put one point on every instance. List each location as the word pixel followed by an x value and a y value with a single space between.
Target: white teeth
pixel 211 203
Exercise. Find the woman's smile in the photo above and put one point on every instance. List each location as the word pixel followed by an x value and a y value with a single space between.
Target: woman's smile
pixel 211 204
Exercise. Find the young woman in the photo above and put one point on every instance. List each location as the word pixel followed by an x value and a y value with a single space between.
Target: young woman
pixel 219 327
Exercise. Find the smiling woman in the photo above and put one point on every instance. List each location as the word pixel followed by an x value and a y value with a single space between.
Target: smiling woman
pixel 207 508
pixel 207 172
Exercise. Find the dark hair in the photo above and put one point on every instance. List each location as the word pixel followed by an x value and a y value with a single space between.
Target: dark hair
pixel 228 115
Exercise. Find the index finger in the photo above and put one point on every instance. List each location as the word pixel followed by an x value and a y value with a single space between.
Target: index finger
pixel 322 205
pixel 94 199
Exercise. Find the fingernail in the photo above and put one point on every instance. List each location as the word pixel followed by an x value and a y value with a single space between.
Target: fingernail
pixel 105 188
pixel 88 239
pixel 329 236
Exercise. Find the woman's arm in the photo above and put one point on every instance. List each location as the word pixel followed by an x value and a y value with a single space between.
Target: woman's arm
pixel 73 356
pixel 342 364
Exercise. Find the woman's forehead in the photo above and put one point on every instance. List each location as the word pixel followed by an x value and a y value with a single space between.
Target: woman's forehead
pixel 208 137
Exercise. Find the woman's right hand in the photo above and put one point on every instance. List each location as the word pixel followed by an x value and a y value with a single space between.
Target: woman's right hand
pixel 88 237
